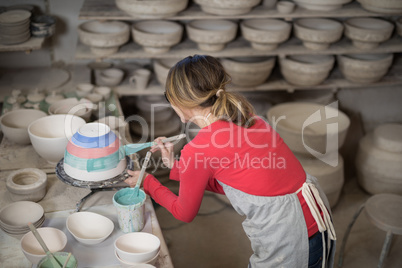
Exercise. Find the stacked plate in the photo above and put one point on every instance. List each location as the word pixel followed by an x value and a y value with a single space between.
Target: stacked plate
pixel 14 218
pixel 14 27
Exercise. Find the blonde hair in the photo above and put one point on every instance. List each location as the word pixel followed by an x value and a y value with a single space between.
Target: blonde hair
pixel 200 81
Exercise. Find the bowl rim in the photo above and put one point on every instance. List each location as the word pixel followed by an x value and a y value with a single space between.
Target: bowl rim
pixel 30 111
pixel 135 234
pixel 64 239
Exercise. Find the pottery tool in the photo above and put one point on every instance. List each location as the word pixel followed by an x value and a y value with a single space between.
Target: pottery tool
pixel 68 258
pixel 136 190
pixel 133 148
pixel 43 245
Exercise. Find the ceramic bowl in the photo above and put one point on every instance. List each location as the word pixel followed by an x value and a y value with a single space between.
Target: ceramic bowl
pixel 318 34
pixel 265 34
pixel 82 108
pixel 156 9
pixel 383 6
pixel 304 137
pixel 306 70
pixel 285 7
pixel 368 33
pixel 28 184
pixel 53 97
pixel 14 124
pixel 388 137
pixel 94 153
pixel 95 98
pixel 49 135
pixel 104 37
pixel 89 228
pixel 211 35
pixel 157 36
pixel 84 89
pixel 321 5
pixel 364 68
pixel 105 92
pixel 17 215
pixel 162 67
pixel 227 7
pixel 55 240
pixel 148 264
pixel 249 71
pixel 110 77
pixel 137 247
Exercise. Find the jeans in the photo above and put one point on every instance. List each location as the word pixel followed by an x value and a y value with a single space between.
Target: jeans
pixel 315 250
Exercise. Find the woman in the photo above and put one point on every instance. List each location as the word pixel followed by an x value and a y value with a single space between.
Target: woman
pixel 238 154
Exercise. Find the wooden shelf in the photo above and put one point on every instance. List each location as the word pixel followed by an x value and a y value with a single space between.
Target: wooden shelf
pixel 32 44
pixel 334 82
pixel 107 10
pixel 240 47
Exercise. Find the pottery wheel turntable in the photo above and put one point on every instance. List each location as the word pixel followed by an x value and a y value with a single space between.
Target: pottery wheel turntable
pixel 94 186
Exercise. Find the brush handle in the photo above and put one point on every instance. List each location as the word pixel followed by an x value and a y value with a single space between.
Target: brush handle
pixel 144 167
pixel 174 138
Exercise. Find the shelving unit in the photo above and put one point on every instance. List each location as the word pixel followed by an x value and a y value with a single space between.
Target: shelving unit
pixel 32 44
pixel 107 10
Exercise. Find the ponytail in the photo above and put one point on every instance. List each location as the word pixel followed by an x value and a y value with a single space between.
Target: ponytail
pixel 200 81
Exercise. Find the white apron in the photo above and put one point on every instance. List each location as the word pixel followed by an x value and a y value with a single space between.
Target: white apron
pixel 276 226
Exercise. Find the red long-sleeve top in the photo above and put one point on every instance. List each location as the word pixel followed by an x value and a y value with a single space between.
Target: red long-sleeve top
pixel 254 160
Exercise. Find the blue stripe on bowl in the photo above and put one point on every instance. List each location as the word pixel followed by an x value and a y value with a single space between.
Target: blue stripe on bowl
pixel 93 142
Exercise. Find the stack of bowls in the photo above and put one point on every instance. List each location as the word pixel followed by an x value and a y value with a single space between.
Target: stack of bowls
pixel 211 35
pixel 43 26
pixel 162 67
pixel 379 159
pixel 318 34
pixel 265 34
pixel 55 240
pixel 321 5
pixel 227 7
pixel 157 36
pixel 14 218
pixel 94 153
pixel 14 27
pixel 109 77
pixel 104 37
pixel 14 124
pixel 368 33
pixel 383 6
pixel 154 9
pixel 82 108
pixel 135 248
pixel 364 68
pixel 249 71
pixel 306 70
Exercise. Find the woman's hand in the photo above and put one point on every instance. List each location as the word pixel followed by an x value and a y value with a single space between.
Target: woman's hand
pixel 166 151
pixel 132 180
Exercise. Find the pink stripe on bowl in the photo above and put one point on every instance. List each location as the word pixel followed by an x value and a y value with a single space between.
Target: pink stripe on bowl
pixel 92 153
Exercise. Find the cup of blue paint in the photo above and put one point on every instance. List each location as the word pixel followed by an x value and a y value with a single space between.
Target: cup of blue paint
pixel 130 209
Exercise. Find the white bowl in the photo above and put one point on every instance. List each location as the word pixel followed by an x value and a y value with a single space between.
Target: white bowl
pixel 147 264
pixel 55 240
pixel 211 35
pixel 49 135
pixel 322 5
pixel 17 215
pixel 227 7
pixel 15 124
pixel 293 123
pixel 157 36
pixel 28 184
pixel 110 77
pixel 154 9
pixel 89 228
pixel 162 67
pixel 318 34
pixel 137 247
pixel 368 33
pixel 82 108
pixel 265 34
pixel 383 6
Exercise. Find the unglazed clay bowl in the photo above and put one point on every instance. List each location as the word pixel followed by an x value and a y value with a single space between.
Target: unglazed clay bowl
pixel 28 184
pixel 153 9
pixel 17 215
pixel 383 6
pixel 249 71
pixel 49 135
pixel 368 33
pixel 83 89
pixel 388 137
pixel 364 68
pixel 211 35
pixel 105 92
pixel 321 5
pixel 89 228
pixel 306 70
pixel 148 264
pixel 162 67
pixel 227 7
pixel 157 36
pixel 110 77
pixel 104 37
pixel 318 34
pixel 15 124
pixel 285 7
pixel 304 130
pixel 94 153
pixel 137 247
pixel 55 240
pixel 265 34
pixel 82 108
